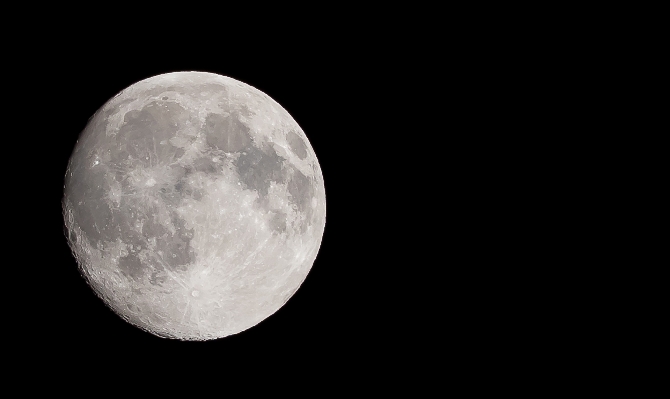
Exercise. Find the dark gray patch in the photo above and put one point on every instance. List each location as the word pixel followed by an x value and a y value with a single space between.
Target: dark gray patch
pixel 123 222
pixel 128 188
pixel 102 221
pixel 301 190
pixel 278 222
pixel 133 238
pixel 152 228
pixel 296 144
pixel 180 186
pixel 119 157
pixel 185 234
pixel 87 190
pixel 117 107
pixel 157 279
pixel 178 153
pixel 184 190
pixel 263 203
pixel 131 266
pixel 177 188
pixel 226 133
pixel 176 248
pixel 205 165
pixel 176 253
pixel 176 172
pixel 170 195
pixel 243 109
pixel 88 205
pixel 143 130
pixel 258 167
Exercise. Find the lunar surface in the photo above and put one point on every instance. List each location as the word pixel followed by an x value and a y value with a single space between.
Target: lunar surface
pixel 194 205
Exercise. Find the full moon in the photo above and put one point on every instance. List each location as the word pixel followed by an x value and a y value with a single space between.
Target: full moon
pixel 194 205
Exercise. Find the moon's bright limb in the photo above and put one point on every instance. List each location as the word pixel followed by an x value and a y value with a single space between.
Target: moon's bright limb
pixel 194 204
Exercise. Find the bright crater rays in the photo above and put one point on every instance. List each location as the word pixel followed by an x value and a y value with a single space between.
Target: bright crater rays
pixel 194 205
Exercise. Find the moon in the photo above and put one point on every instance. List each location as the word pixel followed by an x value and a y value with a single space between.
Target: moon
pixel 194 205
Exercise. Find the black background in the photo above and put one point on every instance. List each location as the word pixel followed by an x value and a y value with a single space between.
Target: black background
pixel 411 123
pixel 433 130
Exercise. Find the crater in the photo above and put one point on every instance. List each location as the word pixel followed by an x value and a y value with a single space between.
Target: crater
pixel 72 235
pixel 296 144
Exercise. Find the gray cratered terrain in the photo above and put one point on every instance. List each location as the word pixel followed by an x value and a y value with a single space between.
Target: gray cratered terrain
pixel 194 205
